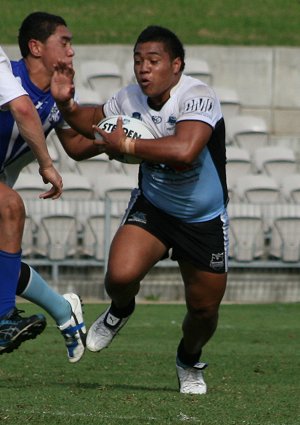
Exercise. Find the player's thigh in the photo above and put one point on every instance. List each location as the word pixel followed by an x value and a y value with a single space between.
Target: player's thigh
pixel 133 252
pixel 203 289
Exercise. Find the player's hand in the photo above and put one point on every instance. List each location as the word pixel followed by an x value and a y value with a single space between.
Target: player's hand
pixel 111 143
pixel 51 175
pixel 62 82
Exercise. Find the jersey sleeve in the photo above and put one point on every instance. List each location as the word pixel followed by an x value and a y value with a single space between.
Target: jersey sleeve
pixel 113 105
pixel 201 104
pixel 10 88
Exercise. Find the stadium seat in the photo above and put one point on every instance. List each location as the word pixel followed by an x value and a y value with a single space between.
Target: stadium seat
pixel 275 161
pixel 128 73
pixel 246 232
pixel 56 232
pixel 257 188
pixel 95 169
pixel 100 221
pixel 64 162
pixel 30 185
pixel 76 186
pixel 60 236
pixel 87 97
pixel 285 233
pixel 198 68
pixel 247 132
pixel 33 167
pixel 230 102
pixel 92 237
pixel 116 186
pixel 238 163
pixel 103 76
pixel 28 239
pixel 290 187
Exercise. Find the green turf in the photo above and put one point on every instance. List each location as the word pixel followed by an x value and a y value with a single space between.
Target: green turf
pixel 253 374
pixel 240 22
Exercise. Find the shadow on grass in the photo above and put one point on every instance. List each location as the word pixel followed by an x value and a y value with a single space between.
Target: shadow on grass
pixel 6 384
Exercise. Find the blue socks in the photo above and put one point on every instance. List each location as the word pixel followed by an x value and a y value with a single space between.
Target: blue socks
pixel 40 293
pixel 9 268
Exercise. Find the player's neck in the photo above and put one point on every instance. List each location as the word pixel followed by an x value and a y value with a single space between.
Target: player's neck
pixel 38 75
pixel 156 105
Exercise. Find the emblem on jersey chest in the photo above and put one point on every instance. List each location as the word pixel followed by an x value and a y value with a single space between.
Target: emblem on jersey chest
pixel 156 119
pixel 54 115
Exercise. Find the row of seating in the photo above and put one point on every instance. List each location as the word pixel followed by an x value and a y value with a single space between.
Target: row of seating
pixel 264 189
pixel 70 229
pixel 274 161
pixel 77 186
pixel 84 229
pixel 271 231
pixel 248 188
pixel 97 80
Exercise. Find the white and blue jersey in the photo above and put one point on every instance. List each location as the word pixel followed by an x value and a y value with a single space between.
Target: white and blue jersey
pixel 10 88
pixel 196 193
pixel 12 145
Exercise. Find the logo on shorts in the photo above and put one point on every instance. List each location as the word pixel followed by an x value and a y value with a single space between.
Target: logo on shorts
pixel 138 217
pixel 217 261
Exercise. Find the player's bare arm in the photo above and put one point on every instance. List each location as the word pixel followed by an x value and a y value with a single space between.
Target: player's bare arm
pixel 30 127
pixel 77 147
pixel 181 148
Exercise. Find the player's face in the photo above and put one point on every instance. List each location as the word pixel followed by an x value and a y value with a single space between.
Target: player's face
pixel 58 47
pixel 155 71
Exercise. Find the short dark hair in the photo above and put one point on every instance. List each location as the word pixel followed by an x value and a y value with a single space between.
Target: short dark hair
pixel 172 43
pixel 37 25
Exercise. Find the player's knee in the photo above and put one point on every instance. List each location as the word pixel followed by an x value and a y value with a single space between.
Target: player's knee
pixel 206 312
pixel 118 280
pixel 12 208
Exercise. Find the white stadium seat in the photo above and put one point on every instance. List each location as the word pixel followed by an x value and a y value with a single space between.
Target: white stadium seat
pixel 238 163
pixel 290 187
pixel 285 233
pixel 230 102
pixel 275 161
pixel 103 76
pixel 257 188
pixel 246 231
pixel 198 68
pixel 247 132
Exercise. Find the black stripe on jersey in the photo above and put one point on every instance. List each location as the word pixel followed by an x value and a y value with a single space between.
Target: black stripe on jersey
pixel 217 148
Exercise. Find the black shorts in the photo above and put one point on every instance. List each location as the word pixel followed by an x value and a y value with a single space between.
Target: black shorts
pixel 203 244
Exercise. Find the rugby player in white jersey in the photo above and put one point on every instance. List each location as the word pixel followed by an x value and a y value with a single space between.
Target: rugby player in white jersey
pixel 180 204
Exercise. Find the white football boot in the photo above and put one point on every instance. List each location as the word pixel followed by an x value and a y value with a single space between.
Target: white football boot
pixel 190 378
pixel 103 330
pixel 74 330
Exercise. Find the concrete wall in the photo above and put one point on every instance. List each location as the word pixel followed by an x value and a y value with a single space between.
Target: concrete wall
pixel 267 79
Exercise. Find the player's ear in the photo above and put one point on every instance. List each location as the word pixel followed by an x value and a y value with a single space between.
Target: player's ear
pixel 177 65
pixel 35 47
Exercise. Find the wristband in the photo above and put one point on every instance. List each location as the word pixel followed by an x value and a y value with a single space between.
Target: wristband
pixel 67 106
pixel 128 146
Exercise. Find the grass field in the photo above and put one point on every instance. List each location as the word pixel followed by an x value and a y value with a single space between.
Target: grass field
pixel 253 374
pixel 234 22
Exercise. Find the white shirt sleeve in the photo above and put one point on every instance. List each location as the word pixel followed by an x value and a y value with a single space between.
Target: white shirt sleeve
pixel 10 88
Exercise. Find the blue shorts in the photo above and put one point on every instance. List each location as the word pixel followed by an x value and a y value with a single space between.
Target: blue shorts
pixel 203 244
